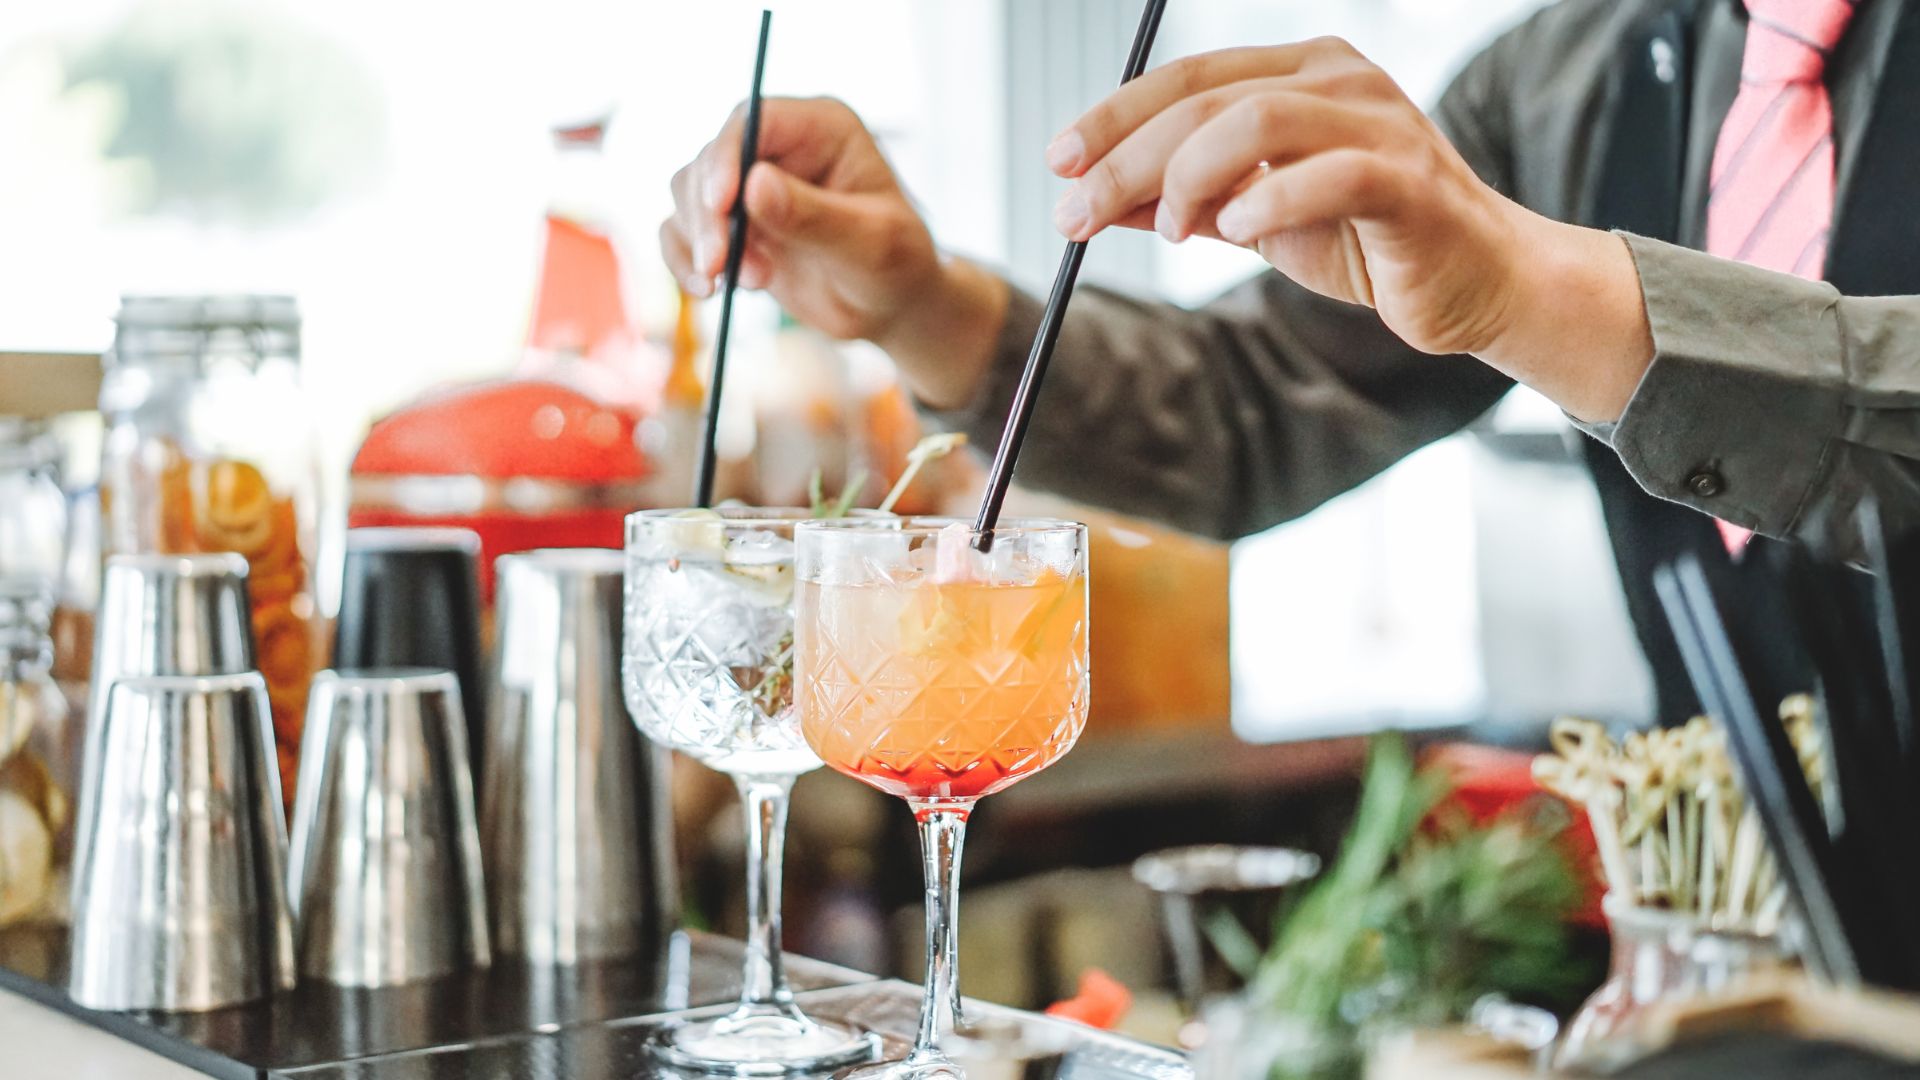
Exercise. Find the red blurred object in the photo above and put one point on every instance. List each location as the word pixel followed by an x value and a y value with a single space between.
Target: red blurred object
pixel 1488 781
pixel 1102 1001
pixel 588 134
pixel 579 307
pixel 526 463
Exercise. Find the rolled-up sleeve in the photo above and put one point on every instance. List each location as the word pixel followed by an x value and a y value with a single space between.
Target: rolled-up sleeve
pixel 1772 402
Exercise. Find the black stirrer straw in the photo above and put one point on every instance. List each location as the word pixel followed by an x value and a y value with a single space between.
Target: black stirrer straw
pixel 1001 474
pixel 736 248
pixel 1731 689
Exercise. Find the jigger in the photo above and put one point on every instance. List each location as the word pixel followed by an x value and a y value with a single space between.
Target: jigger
pixel 171 615
pixel 385 874
pixel 410 597
pixel 161 615
pixel 178 902
pixel 574 809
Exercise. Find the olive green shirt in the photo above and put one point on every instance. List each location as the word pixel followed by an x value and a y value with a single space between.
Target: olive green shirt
pixel 1259 406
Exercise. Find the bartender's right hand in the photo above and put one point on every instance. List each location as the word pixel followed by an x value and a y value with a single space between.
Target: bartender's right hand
pixel 837 242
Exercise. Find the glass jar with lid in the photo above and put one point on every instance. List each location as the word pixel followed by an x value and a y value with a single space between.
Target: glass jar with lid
pixel 38 740
pixel 209 447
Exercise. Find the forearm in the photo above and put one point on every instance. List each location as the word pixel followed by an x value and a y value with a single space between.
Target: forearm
pixel 1576 325
pixel 1223 420
pixel 944 343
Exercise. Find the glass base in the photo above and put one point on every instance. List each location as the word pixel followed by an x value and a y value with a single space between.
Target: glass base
pixel 933 1066
pixel 763 1041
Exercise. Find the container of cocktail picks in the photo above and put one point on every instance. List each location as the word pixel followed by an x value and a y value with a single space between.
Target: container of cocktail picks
pixel 1695 898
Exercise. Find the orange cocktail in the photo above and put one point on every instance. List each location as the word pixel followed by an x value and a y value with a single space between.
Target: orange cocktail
pixel 940 672
pixel 945 690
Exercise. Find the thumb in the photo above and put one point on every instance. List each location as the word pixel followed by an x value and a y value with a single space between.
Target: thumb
pixel 791 209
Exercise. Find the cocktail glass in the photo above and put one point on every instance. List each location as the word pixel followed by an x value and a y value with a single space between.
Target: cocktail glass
pixel 707 671
pixel 939 673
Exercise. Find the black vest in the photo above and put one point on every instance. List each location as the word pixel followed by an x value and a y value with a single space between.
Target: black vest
pixel 1874 251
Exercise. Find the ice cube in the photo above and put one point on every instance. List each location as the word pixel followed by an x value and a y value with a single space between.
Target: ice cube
pixel 859 557
pixel 954 558
pixel 759 546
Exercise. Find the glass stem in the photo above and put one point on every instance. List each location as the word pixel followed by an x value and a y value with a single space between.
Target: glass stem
pixel 763 980
pixel 943 830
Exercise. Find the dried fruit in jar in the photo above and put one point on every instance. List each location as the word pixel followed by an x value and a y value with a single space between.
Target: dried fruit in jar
pixel 26 858
pixel 276 573
pixel 223 504
pixel 27 775
pixel 237 510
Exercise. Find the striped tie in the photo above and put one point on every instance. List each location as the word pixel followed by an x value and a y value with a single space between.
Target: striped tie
pixel 1770 195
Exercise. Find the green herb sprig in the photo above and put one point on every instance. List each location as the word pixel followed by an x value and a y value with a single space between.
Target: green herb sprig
pixel 776 685
pixel 931 448
pixel 1425 912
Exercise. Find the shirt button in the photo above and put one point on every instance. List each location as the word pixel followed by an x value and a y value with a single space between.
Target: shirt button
pixel 1706 483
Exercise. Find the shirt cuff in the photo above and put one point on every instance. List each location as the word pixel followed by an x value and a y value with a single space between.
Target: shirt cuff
pixel 983 418
pixel 1746 392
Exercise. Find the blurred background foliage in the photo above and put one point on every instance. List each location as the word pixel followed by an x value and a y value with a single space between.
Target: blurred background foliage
pixel 229 112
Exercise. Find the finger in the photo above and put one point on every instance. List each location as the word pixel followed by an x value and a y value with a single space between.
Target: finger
pixel 679 258
pixel 1274 127
pixel 1102 127
pixel 1338 185
pixel 804 136
pixel 756 267
pixel 1142 218
pixel 704 193
pixel 690 215
pixel 794 212
pixel 1130 175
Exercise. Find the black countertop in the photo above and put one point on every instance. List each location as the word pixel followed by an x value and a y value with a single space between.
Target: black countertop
pixel 317 1024
pixel 516 1022
pixel 617 1049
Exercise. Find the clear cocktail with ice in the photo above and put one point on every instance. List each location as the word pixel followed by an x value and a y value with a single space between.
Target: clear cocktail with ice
pixel 708 671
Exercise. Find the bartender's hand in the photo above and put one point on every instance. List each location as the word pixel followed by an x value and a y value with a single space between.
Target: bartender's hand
pixel 1312 156
pixel 834 238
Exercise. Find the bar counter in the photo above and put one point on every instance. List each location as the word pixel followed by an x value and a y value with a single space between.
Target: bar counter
pixel 511 1021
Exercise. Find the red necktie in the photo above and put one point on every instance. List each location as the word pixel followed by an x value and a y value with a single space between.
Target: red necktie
pixel 1770 195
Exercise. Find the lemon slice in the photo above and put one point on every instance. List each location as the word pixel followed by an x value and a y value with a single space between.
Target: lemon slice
pixel 697 533
pixel 768 583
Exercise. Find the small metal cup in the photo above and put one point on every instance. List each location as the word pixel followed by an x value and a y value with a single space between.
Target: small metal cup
pixel 161 615
pixel 171 615
pixel 1198 884
pixel 410 597
pixel 385 872
pixel 574 810
pixel 178 902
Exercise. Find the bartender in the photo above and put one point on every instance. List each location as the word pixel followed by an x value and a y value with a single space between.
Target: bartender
pixel 1690 223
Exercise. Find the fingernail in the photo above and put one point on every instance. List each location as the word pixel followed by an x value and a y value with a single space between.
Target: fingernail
pixel 701 286
pixel 1065 151
pixel 1164 224
pixel 1072 215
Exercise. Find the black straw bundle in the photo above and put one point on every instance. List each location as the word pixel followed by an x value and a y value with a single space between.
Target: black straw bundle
pixel 1787 620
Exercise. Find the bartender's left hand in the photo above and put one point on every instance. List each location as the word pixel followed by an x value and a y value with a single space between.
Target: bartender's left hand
pixel 1314 157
